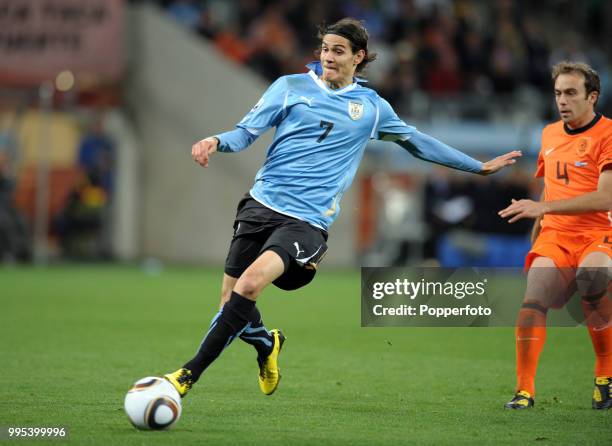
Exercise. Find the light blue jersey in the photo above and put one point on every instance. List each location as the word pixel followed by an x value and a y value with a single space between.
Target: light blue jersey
pixel 320 138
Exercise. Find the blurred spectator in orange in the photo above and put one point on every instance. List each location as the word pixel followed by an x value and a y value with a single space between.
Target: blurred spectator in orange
pixel 273 44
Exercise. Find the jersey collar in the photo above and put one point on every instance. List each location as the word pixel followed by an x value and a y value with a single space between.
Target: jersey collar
pixel 316 70
pixel 584 128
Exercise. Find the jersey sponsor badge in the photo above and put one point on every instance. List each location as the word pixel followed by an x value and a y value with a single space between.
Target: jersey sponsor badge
pixel 583 145
pixel 355 110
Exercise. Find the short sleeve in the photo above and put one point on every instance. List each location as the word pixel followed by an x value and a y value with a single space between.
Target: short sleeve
pixel 389 126
pixel 540 166
pixel 268 111
pixel 539 173
pixel 605 156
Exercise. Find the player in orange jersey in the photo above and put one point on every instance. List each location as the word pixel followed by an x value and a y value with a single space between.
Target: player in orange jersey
pixel 572 237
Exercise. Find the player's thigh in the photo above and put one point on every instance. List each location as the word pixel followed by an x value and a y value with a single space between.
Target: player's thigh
pixel 596 259
pixel 244 249
pixel 263 271
pixel 242 252
pixel 594 274
pixel 548 285
pixel 302 247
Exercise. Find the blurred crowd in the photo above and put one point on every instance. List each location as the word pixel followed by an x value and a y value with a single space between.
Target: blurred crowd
pixel 463 227
pixel 14 235
pixel 443 217
pixel 437 49
pixel 78 196
pixel 83 224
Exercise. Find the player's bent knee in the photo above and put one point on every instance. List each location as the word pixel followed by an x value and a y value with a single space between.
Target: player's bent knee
pixel 250 284
pixel 544 300
pixel 548 300
pixel 593 282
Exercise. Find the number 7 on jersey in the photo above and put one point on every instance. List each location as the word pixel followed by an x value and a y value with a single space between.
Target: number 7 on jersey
pixel 328 126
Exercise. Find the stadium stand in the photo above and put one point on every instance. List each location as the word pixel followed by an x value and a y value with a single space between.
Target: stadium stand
pixel 474 59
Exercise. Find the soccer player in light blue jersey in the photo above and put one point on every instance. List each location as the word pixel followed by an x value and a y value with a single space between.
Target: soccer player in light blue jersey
pixel 323 120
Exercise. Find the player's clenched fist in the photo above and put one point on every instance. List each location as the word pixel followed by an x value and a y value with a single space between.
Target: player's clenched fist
pixel 201 150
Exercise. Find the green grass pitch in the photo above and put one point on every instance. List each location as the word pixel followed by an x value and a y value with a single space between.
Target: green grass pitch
pixel 74 338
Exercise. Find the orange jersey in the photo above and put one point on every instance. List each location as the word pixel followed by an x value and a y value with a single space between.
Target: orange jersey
pixel 571 162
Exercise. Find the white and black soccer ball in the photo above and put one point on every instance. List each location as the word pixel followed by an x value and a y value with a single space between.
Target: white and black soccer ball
pixel 153 403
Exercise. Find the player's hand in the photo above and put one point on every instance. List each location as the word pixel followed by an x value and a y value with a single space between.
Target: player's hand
pixel 523 209
pixel 500 162
pixel 201 150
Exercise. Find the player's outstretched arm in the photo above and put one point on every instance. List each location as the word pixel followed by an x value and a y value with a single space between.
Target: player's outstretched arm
pixel 201 150
pixel 420 145
pixel 598 201
pixel 497 164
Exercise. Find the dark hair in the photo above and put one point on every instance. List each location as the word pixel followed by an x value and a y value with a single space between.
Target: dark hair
pixel 352 30
pixel 591 78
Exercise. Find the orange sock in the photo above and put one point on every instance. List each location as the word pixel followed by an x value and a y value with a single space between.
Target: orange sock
pixel 530 338
pixel 598 314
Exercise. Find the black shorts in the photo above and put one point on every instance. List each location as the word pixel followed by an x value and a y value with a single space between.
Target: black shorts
pixel 257 228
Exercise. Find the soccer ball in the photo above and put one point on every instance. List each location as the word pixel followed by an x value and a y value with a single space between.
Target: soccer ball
pixel 153 403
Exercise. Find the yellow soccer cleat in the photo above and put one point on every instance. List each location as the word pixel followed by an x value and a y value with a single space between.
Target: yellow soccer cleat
pixel 522 400
pixel 269 373
pixel 602 394
pixel 181 380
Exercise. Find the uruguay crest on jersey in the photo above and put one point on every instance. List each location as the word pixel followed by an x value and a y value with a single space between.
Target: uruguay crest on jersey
pixel 355 110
